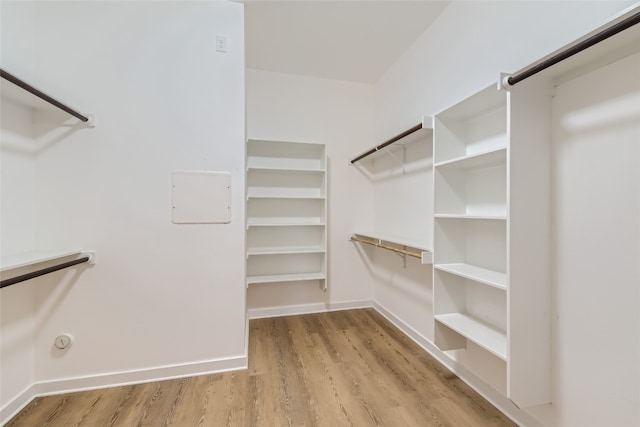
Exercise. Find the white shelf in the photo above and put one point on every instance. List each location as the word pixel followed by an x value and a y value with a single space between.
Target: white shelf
pixel 286 196
pixel 286 224
pixel 464 216
pixel 285 250
pixel 12 262
pixel 292 170
pixel 478 274
pixel 476 160
pixel 277 278
pixel 487 337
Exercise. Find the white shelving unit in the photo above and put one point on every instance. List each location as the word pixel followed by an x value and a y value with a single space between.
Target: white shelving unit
pixel 286 212
pixel 491 233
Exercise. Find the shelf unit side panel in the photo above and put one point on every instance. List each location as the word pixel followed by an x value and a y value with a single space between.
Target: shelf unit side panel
pixel 530 244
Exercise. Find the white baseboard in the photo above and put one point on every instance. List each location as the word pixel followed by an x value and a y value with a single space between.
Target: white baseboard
pixel 291 310
pixel 15 405
pixel 116 379
pixel 482 388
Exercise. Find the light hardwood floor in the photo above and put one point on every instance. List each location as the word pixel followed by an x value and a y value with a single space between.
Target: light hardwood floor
pixel 347 368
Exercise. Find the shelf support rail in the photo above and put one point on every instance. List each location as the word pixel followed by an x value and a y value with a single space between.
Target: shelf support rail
pixel 594 39
pixel 12 281
pixel 387 143
pixel 26 86
pixel 378 243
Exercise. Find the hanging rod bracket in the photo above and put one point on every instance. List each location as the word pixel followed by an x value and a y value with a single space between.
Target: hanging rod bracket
pixel 91 122
pixel 91 255
pixel 503 82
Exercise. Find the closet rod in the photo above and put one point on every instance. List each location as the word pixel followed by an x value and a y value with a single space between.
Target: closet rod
pixel 390 248
pixel 577 48
pixel 389 142
pixel 37 273
pixel 26 86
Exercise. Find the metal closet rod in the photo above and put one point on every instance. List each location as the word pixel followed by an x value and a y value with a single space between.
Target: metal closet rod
pixel 26 86
pixel 389 248
pixel 577 48
pixel 389 142
pixel 42 272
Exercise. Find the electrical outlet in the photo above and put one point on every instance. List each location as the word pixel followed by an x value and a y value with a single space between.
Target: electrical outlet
pixel 63 341
pixel 221 44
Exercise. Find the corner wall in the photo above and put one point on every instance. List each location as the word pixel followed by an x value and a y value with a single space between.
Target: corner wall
pixel 17 213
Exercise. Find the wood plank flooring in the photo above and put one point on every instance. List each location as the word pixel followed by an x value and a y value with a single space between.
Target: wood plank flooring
pixel 347 368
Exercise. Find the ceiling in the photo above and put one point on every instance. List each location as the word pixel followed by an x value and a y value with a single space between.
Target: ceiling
pixel 344 40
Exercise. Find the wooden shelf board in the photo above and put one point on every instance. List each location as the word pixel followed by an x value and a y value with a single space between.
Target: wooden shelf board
pixel 478 274
pixel 276 278
pixel 487 337
pixel 11 262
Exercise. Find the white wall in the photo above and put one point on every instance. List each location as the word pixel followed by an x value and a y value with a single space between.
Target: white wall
pixel 462 52
pixel 339 114
pixel 597 247
pixel 17 211
pixel 163 299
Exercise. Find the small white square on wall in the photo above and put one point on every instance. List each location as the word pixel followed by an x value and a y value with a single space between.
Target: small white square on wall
pixel 201 197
